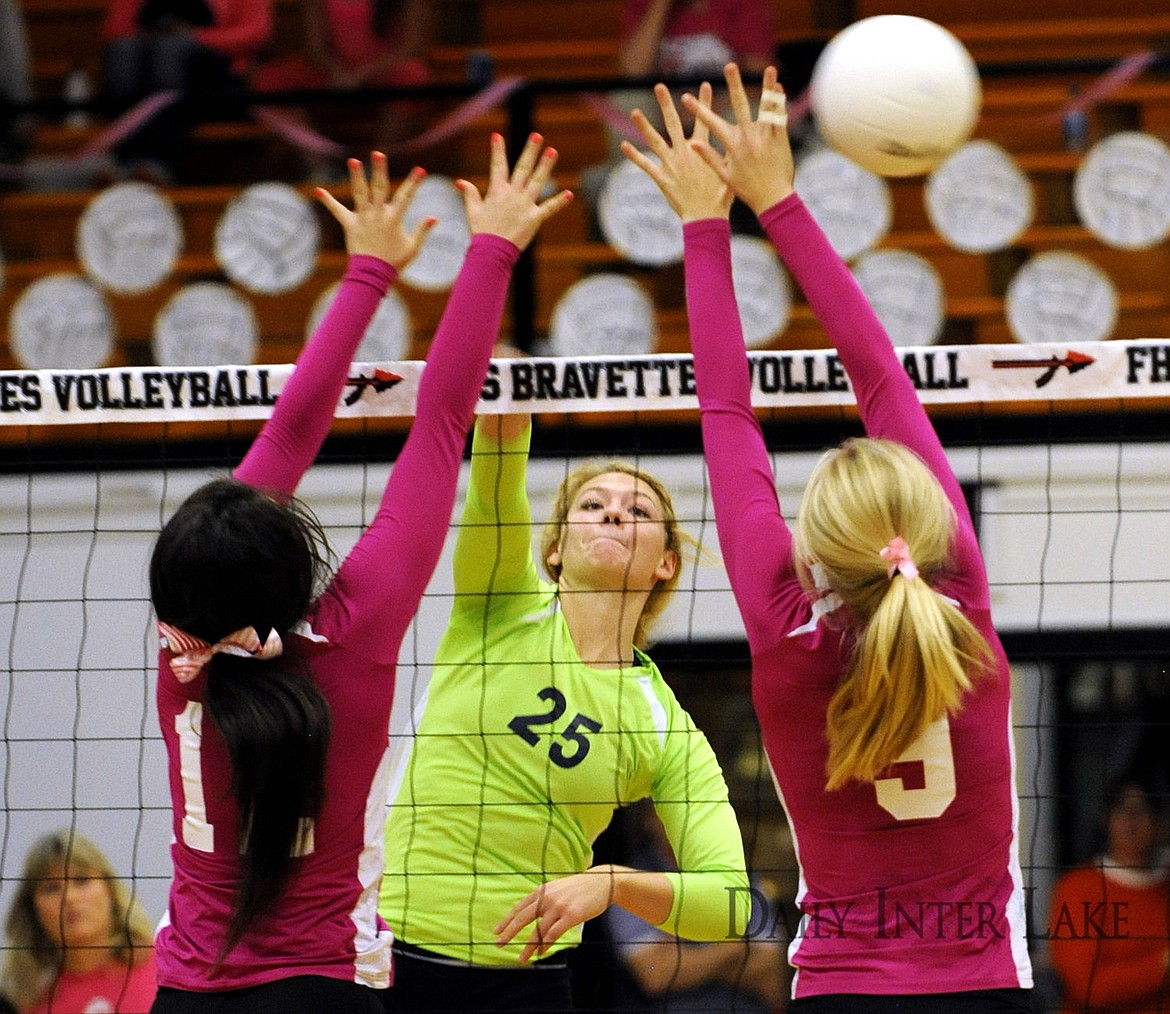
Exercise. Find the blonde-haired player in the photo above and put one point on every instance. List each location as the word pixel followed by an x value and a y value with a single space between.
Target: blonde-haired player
pixel 543 716
pixel 882 690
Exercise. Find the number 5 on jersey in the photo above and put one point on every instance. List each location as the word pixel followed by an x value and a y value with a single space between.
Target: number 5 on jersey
pixel 921 783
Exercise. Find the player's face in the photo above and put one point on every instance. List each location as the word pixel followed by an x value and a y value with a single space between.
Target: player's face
pixel 614 537
pixel 75 909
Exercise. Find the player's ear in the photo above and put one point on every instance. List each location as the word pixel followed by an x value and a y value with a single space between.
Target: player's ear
pixel 667 566
pixel 553 560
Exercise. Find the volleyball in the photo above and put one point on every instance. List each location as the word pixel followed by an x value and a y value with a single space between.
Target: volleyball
pixel 896 94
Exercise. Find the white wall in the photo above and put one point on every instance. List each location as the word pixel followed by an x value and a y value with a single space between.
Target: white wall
pixel 1074 537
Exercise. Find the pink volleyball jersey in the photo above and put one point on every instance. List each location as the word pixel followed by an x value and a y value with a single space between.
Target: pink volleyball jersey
pixel 909 884
pixel 326 920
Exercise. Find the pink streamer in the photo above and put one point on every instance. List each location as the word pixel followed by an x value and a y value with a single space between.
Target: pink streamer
pixel 613 117
pixel 1117 77
pixel 297 133
pixel 307 138
pixel 464 115
pixel 125 125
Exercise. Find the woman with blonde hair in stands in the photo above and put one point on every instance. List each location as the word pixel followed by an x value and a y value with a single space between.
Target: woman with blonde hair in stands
pixel 881 686
pixel 77 938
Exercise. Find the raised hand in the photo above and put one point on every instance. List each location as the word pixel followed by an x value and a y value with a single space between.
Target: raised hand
pixel 680 170
pixel 511 206
pixel 756 161
pixel 375 225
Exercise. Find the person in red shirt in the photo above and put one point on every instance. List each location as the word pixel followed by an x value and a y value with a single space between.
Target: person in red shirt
pixel 1109 928
pixel 77 940
pixel 187 46
pixel 359 44
pixel 685 37
pixel 681 39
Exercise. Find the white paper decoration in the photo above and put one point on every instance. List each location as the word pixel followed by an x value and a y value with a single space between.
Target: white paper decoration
pixel 1122 190
pixel 852 206
pixel 387 338
pixel 437 264
pixel 129 238
pixel 978 200
pixel 604 314
pixel 267 238
pixel 205 324
pixel 1061 297
pixel 636 218
pixel 906 293
pixel 762 292
pixel 62 322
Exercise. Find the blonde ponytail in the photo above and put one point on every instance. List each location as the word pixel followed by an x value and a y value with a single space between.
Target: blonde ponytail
pixel 914 654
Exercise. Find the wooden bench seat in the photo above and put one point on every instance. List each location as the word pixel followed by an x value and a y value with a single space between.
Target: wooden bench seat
pixel 1052 37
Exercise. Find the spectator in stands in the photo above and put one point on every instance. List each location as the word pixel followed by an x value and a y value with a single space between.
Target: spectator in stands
pixel 188 46
pixel 15 88
pixel 1109 930
pixel 356 44
pixel 77 940
pixel 691 38
pixel 683 39
pixel 668 975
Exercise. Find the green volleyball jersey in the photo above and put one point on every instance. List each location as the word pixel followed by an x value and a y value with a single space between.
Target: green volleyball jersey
pixel 523 752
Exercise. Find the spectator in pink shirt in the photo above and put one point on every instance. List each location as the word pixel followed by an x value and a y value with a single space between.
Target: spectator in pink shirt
pixel 77 940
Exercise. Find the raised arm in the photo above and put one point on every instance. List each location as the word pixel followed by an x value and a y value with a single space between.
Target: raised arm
pixel 755 541
pixel 493 550
pixel 886 397
pixel 643 25
pixel 409 529
pixel 379 247
pixel 756 162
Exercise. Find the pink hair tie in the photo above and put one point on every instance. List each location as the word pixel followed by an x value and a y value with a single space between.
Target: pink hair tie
pixel 897 555
pixel 190 653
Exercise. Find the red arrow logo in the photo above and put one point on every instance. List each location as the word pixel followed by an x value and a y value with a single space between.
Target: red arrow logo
pixel 1072 360
pixel 382 380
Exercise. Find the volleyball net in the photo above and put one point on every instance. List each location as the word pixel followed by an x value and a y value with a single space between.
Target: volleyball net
pixel 1062 449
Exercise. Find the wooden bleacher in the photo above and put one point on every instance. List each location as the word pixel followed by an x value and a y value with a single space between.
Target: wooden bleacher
pixel 577 38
